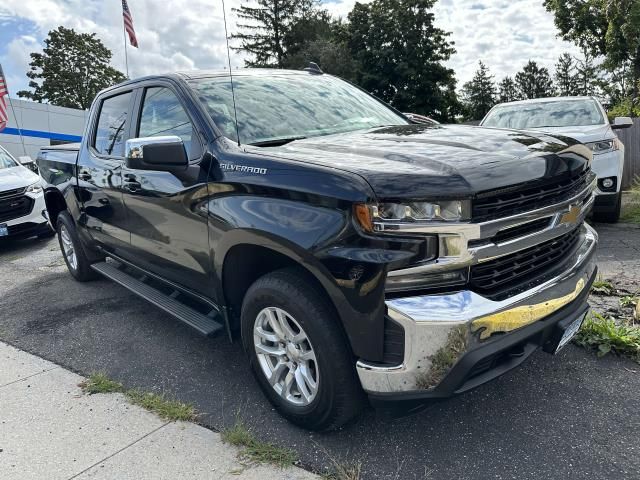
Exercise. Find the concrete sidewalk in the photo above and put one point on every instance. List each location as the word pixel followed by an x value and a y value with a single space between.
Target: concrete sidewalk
pixel 50 430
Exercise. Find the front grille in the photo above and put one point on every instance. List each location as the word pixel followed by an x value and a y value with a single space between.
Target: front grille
pixel 15 207
pixel 521 230
pixel 11 193
pixel 508 272
pixel 526 197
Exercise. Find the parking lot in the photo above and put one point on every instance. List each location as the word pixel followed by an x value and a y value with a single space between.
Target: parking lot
pixel 570 416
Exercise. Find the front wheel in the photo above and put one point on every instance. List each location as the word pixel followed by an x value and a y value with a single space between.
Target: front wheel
pixel 299 353
pixel 609 216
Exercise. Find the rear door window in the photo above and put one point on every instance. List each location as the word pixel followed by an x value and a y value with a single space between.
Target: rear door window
pixel 112 125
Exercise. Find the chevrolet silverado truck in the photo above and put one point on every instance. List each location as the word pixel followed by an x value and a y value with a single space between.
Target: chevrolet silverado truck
pixel 356 255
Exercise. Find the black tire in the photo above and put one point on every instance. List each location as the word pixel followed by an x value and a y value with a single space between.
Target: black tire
pixel 339 396
pixel 82 270
pixel 609 216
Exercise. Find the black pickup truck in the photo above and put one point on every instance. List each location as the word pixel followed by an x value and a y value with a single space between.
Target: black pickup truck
pixel 357 255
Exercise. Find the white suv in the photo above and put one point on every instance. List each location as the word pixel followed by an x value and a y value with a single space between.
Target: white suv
pixel 22 209
pixel 584 119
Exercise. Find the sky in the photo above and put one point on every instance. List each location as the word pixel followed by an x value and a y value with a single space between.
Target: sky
pixel 189 34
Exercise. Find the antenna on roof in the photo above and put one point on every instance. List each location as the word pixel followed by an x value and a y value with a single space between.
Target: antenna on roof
pixel 314 68
pixel 233 92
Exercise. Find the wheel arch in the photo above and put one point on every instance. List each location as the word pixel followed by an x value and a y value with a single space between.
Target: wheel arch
pixel 56 203
pixel 242 263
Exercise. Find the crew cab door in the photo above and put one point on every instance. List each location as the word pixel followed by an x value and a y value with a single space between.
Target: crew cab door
pixel 99 172
pixel 168 210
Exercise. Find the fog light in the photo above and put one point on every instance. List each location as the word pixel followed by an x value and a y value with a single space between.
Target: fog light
pixel 608 183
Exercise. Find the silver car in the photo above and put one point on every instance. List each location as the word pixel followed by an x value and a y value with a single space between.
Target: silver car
pixel 584 119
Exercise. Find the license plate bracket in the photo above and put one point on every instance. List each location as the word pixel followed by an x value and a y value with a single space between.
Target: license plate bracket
pixel 569 332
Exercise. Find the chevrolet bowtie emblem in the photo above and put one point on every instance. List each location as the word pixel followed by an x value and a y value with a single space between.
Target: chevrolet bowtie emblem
pixel 572 215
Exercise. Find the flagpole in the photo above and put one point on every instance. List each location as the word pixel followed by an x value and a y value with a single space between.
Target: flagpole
pixel 126 56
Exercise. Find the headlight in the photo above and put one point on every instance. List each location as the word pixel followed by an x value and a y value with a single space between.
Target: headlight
pixel 604 146
pixel 36 188
pixel 448 211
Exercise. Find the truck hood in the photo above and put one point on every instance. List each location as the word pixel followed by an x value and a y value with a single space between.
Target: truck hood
pixel 442 161
pixel 594 133
pixel 16 177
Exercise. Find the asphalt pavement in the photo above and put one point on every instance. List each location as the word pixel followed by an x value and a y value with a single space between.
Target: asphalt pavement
pixel 570 416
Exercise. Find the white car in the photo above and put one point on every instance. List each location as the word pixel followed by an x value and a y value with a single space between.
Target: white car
pixel 22 209
pixel 584 119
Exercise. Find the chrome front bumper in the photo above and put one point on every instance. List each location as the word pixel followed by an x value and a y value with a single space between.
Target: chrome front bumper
pixel 442 329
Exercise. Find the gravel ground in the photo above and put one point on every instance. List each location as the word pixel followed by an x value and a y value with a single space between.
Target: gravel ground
pixel 570 416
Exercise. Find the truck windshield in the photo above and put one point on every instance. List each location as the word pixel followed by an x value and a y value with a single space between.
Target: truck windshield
pixel 561 113
pixel 6 161
pixel 276 108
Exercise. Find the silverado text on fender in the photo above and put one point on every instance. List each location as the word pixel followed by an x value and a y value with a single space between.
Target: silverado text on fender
pixel 350 250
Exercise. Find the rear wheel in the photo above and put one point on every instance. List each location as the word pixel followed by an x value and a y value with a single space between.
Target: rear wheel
pixel 298 352
pixel 73 251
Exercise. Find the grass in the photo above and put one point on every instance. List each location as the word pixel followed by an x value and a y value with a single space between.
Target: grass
pixel 161 406
pixel 100 383
pixel 255 450
pixel 606 336
pixel 631 211
pixel 629 301
pixel 165 408
pixel 344 472
pixel 602 287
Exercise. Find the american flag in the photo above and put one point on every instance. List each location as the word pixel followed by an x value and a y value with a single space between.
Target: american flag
pixel 4 117
pixel 128 24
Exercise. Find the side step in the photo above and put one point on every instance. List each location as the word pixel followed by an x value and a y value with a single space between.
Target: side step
pixel 205 324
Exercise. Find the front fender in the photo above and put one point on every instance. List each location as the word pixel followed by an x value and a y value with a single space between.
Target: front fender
pixel 307 234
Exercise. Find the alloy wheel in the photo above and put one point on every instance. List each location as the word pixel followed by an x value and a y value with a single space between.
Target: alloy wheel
pixel 67 248
pixel 286 356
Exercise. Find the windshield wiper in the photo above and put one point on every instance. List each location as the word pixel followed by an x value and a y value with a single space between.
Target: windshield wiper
pixel 276 142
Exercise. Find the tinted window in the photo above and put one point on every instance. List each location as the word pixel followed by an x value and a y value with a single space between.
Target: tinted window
pixel 6 161
pixel 162 114
pixel 112 125
pixel 284 106
pixel 569 113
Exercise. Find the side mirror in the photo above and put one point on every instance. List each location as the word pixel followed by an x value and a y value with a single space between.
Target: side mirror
pixel 27 161
pixel 163 154
pixel 622 122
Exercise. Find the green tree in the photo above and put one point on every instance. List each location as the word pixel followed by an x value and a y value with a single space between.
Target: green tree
pixel 400 53
pixel 534 82
pixel 565 76
pixel 479 94
pixel 604 27
pixel 71 70
pixel 266 24
pixel 508 91
pixel 587 74
pixel 317 37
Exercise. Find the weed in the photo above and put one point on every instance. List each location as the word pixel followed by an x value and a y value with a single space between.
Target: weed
pixel 602 287
pixel 100 383
pixel 158 404
pixel 606 336
pixel 161 406
pixel 255 450
pixel 628 301
pixel 345 472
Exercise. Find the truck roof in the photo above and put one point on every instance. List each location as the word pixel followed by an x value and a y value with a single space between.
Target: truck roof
pixel 193 74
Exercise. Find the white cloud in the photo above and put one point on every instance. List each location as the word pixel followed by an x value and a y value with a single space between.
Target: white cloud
pixel 504 34
pixel 189 34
